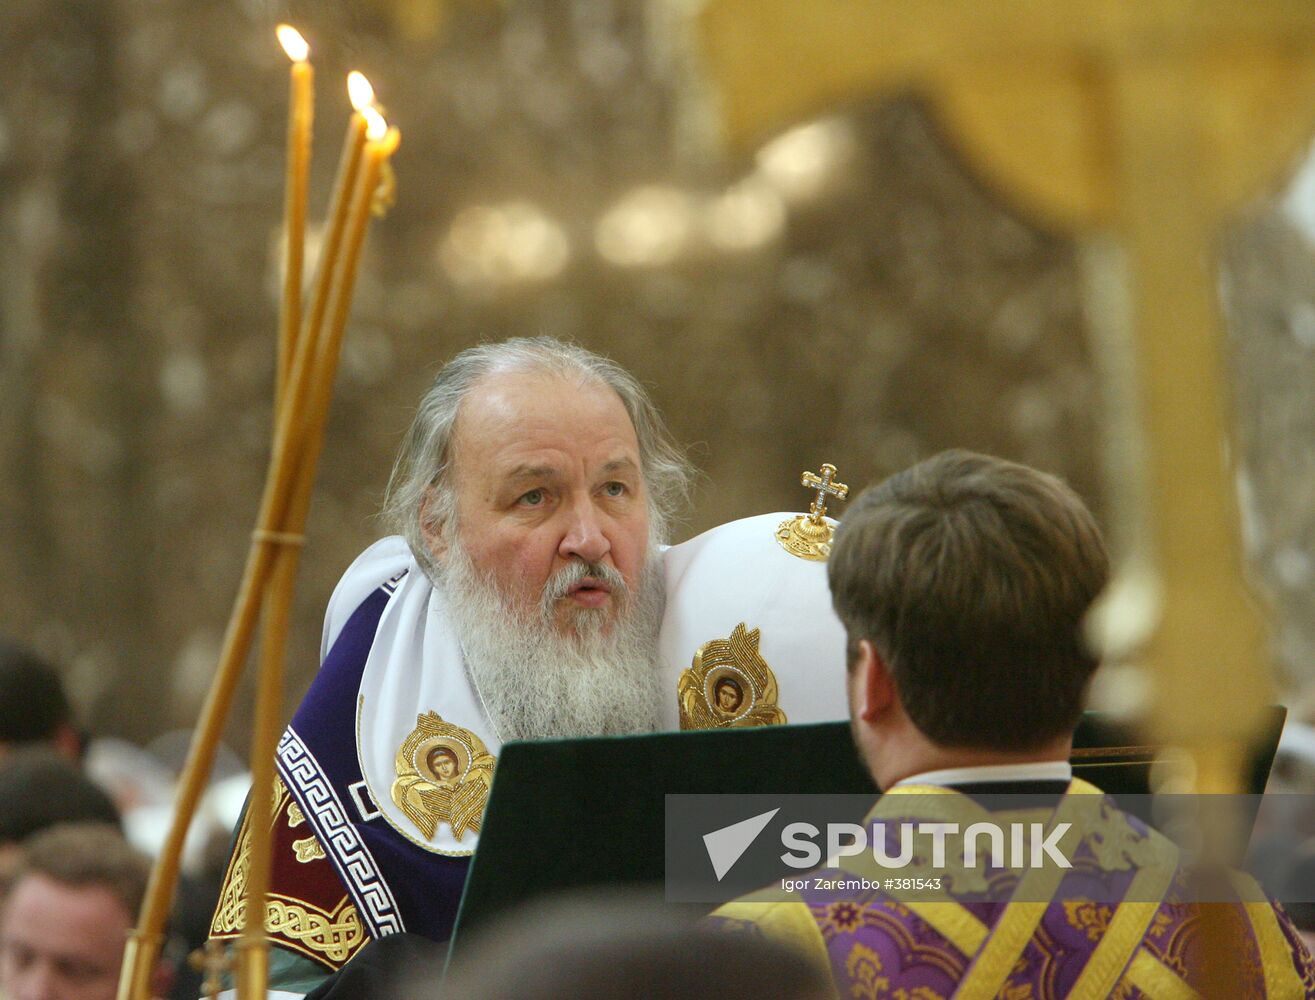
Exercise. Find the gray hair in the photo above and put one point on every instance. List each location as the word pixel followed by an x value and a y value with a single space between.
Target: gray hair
pixel 422 467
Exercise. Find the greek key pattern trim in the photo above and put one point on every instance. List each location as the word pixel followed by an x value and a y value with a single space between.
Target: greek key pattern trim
pixel 360 796
pixel 353 860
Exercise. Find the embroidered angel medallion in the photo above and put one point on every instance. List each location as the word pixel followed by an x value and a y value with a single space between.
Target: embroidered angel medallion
pixel 729 684
pixel 443 776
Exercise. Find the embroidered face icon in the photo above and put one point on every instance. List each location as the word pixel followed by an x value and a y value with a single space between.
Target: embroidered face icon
pixel 728 684
pixel 728 694
pixel 443 776
pixel 442 764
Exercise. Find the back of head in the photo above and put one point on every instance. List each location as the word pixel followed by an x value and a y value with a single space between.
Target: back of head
pixel 33 705
pixel 421 472
pixel 40 789
pixel 971 576
pixel 618 944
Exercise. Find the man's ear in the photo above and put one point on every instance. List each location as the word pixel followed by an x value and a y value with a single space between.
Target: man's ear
pixel 434 531
pixel 874 683
pixel 68 742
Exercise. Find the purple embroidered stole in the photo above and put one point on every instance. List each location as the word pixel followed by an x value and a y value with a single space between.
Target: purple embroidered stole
pixel 1114 924
pixel 395 885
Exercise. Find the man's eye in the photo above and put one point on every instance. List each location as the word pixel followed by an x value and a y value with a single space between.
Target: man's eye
pixel 532 499
pixel 18 955
pixel 615 489
pixel 79 972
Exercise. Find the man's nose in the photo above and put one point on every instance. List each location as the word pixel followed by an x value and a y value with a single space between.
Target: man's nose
pixel 584 537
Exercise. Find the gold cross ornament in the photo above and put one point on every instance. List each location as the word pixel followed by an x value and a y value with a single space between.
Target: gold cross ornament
pixel 214 961
pixel 823 484
pixel 808 536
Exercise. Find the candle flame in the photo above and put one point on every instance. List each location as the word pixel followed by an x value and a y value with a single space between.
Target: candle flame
pixel 293 44
pixel 375 126
pixel 359 90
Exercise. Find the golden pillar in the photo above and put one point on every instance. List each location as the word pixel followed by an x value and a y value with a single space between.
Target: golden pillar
pixel 1143 124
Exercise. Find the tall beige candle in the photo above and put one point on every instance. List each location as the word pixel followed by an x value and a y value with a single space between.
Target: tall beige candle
pixel 301 111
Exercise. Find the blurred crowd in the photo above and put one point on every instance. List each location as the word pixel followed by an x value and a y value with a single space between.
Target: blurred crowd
pixel 80 820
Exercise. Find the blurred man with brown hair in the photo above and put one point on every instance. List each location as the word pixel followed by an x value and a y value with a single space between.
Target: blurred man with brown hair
pixel 67 915
pixel 963 584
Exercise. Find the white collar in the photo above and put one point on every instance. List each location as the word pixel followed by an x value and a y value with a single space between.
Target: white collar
pixel 414 669
pixel 1049 770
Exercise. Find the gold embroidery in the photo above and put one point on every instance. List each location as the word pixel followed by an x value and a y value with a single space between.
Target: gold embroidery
pixel 943 804
pixel 1125 991
pixel 308 850
pixel 728 684
pixel 334 935
pixel 1116 845
pixel 1153 978
pixel 443 776
pixel 844 916
pixel 1015 927
pixel 808 536
pixel 954 922
pixel 863 966
pixel 1278 971
pixel 1304 963
pixel 1163 921
pixel 1124 931
pixel 1084 915
pixel 331 936
pixel 295 815
pixel 229 914
pixel 893 922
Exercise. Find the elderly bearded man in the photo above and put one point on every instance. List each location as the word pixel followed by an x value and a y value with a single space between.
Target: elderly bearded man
pixel 522 600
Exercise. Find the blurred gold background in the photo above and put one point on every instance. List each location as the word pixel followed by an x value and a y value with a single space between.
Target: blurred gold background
pixel 849 292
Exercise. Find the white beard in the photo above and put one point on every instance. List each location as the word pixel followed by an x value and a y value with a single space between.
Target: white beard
pixel 538 682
